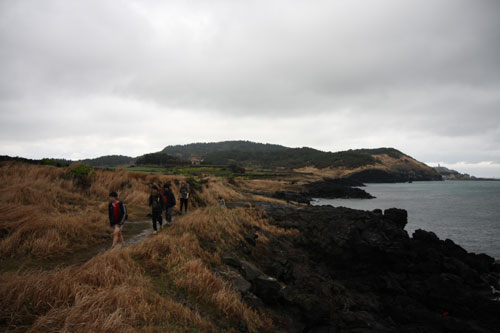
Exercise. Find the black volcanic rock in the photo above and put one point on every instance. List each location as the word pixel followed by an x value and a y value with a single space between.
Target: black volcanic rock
pixel 328 189
pixel 398 216
pixel 288 196
pixel 384 176
pixel 267 288
pixel 358 271
pixel 345 182
pixel 336 188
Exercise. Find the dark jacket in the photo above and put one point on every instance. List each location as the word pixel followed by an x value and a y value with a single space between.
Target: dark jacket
pixel 168 198
pixel 184 192
pixel 156 203
pixel 111 211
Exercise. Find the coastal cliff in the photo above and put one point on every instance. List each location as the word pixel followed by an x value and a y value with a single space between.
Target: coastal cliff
pixel 388 165
pixel 357 271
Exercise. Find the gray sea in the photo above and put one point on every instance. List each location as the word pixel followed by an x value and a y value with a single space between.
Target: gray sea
pixel 467 212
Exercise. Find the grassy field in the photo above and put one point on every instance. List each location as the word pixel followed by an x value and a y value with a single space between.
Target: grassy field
pixel 52 280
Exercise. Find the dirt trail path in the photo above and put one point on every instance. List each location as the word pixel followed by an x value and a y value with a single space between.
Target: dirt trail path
pixel 133 233
pixel 139 236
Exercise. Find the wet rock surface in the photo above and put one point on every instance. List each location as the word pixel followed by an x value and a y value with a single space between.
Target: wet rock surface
pixel 357 271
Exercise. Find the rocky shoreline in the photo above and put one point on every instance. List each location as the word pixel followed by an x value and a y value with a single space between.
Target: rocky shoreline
pixel 346 270
pixel 386 176
pixel 327 188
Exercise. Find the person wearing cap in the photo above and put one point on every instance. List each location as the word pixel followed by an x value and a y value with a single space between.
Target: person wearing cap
pixel 116 212
pixel 168 201
pixel 156 204
pixel 184 196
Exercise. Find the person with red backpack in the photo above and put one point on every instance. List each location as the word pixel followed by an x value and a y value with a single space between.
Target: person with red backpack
pixel 168 201
pixel 117 215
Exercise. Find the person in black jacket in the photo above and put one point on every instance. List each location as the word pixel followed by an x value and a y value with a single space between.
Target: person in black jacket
pixel 184 196
pixel 168 201
pixel 116 216
pixel 156 204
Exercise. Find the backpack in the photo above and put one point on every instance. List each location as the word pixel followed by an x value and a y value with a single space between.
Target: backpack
pixel 168 198
pixel 156 202
pixel 125 214
pixel 165 198
pixel 183 192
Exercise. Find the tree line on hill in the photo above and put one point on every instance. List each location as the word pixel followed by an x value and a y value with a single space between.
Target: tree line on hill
pixel 109 161
pixel 241 153
pixel 58 162
pixel 205 148
pixel 292 158
pixel 161 159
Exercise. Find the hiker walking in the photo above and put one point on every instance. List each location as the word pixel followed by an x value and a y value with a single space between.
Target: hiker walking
pixel 184 196
pixel 168 201
pixel 156 204
pixel 117 215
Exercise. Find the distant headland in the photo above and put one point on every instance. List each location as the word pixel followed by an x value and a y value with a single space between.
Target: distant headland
pixel 450 174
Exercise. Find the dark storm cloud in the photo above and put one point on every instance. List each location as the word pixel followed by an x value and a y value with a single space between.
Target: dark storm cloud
pixel 344 74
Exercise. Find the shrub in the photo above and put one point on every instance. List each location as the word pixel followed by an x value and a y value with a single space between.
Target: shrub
pixel 48 161
pixel 194 185
pixel 82 174
pixel 236 168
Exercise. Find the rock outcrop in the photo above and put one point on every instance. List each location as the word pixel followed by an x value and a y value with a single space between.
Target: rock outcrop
pixel 392 176
pixel 336 188
pixel 357 271
pixel 327 188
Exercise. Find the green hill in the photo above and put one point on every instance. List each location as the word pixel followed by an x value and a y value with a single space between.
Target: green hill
pixel 204 148
pixel 292 158
pixel 109 161
pixel 365 165
pixel 59 162
pixel 160 159
pixel 249 153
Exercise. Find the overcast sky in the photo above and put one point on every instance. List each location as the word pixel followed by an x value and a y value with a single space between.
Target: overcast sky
pixel 82 79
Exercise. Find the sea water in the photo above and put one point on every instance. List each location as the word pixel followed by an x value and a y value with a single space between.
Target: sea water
pixel 467 212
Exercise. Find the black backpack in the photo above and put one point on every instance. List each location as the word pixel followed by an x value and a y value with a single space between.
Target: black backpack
pixel 125 214
pixel 157 201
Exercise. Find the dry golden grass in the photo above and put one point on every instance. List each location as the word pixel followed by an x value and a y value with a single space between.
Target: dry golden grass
pixel 46 214
pixel 326 172
pixel 108 294
pixel 43 213
pixel 186 251
pixel 218 187
pixel 386 162
pixel 265 185
pixel 112 292
pixel 269 186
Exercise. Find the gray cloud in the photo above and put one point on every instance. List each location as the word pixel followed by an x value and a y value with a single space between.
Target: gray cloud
pixel 421 76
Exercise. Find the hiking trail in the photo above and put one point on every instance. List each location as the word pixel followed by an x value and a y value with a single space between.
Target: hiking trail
pixel 133 233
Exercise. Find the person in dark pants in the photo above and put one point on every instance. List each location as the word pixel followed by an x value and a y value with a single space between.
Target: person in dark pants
pixel 156 204
pixel 184 196
pixel 168 201
pixel 116 212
